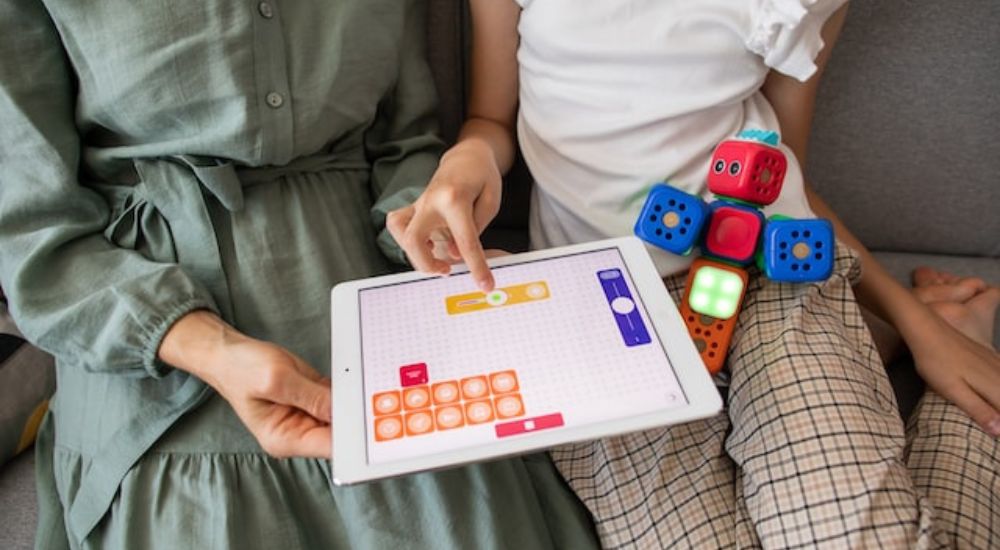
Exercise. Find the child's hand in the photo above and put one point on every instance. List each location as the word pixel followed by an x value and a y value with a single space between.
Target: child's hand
pixel 963 371
pixel 461 199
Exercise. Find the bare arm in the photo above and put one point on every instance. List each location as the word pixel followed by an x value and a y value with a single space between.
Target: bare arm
pixel 464 194
pixel 963 371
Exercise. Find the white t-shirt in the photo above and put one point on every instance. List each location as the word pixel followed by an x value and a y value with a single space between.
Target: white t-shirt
pixel 617 95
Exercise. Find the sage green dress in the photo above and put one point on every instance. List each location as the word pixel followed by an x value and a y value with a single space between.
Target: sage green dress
pixel 240 156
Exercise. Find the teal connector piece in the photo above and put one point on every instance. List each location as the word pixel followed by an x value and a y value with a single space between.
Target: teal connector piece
pixel 763 136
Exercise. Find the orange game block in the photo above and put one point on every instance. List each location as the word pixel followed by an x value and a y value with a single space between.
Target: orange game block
pixel 479 412
pixel 417 397
pixel 504 381
pixel 710 335
pixel 419 423
pixel 509 406
pixel 475 387
pixel 385 402
pixel 388 428
pixel 445 392
pixel 449 417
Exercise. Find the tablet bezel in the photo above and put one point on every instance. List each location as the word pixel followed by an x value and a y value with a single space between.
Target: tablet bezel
pixel 349 441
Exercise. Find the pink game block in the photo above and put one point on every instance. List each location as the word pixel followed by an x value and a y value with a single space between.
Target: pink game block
pixel 733 232
pixel 528 425
pixel 413 375
pixel 747 171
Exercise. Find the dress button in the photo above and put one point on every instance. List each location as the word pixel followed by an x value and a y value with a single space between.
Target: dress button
pixel 275 100
pixel 265 9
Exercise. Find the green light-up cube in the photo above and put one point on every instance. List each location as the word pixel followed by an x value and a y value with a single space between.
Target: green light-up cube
pixel 716 292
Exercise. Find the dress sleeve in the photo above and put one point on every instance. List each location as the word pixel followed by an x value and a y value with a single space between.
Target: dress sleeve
pixel 403 145
pixel 787 34
pixel 73 293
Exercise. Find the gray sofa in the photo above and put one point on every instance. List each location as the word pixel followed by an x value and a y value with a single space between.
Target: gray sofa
pixel 905 149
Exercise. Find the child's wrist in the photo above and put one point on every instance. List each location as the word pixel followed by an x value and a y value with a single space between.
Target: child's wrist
pixel 471 145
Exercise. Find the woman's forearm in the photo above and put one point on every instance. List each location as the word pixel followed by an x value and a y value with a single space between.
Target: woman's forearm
pixel 193 344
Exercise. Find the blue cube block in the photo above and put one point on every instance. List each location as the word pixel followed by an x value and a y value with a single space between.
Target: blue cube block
pixel 798 251
pixel 671 219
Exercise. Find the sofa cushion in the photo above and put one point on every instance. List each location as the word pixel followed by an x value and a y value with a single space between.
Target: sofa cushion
pixel 27 380
pixel 18 503
pixel 905 136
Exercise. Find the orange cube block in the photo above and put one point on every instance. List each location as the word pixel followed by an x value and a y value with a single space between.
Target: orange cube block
pixel 475 387
pixel 419 423
pixel 509 406
pixel 446 392
pixel 449 417
pixel 388 428
pixel 385 402
pixel 479 412
pixel 417 397
pixel 504 382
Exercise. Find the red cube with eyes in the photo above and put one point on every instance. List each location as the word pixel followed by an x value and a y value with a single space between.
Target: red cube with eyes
pixel 747 171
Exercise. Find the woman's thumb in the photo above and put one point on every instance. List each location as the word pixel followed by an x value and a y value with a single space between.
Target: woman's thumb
pixel 311 396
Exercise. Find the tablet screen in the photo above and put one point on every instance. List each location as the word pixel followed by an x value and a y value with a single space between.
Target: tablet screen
pixel 561 342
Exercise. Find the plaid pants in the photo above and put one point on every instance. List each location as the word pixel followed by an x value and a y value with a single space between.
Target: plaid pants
pixel 810 452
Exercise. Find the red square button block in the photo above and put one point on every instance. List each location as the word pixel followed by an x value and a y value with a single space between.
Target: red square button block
pixel 413 375
pixel 733 232
pixel 748 171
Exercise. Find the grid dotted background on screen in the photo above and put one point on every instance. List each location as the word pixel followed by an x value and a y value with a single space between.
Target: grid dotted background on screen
pixel 567 349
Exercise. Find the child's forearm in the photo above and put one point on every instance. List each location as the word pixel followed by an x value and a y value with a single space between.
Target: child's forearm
pixel 877 290
pixel 496 136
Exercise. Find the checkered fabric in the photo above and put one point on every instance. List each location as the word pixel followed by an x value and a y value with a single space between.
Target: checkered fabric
pixel 810 452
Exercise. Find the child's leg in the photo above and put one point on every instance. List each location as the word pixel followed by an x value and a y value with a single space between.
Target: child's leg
pixel 957 466
pixel 667 488
pixel 816 432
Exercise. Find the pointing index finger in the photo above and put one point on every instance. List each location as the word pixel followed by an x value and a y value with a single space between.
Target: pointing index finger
pixel 463 230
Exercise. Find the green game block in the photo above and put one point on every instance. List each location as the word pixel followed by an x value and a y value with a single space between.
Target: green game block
pixel 716 292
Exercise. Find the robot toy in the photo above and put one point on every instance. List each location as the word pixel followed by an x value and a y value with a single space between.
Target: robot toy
pixel 745 175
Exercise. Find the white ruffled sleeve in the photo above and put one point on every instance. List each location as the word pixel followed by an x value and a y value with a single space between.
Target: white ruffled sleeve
pixel 787 34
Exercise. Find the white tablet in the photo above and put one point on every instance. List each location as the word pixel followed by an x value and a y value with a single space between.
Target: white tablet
pixel 575 343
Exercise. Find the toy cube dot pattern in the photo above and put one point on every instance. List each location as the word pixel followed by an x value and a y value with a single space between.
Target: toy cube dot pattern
pixel 748 171
pixel 798 251
pixel 671 219
pixel 716 289
pixel 733 232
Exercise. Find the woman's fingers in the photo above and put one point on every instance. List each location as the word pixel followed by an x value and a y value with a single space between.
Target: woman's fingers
pixel 315 443
pixel 296 435
pixel 294 389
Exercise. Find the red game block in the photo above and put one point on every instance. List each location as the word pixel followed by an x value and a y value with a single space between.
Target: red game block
pixel 529 425
pixel 733 232
pixel 747 171
pixel 413 375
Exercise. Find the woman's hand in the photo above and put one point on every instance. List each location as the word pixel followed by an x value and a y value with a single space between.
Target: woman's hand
pixel 961 370
pixel 461 199
pixel 281 400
